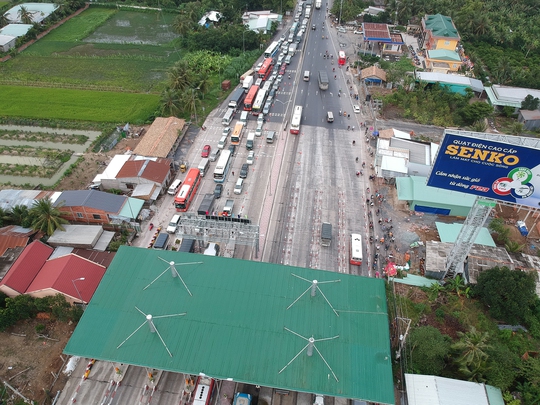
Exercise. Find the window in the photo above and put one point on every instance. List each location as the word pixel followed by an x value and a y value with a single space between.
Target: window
pixel 130 186
pixel 96 216
pixel 447 43
pixel 79 214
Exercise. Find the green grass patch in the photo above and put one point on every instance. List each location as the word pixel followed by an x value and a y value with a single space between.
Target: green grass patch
pixel 84 105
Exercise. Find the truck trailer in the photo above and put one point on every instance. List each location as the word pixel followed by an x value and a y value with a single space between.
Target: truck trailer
pixel 236 98
pixel 205 208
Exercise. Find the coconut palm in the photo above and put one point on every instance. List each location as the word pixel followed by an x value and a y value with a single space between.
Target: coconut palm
pixel 46 217
pixel 170 102
pixel 472 347
pixel 179 75
pixel 4 216
pixel 20 215
pixel 24 15
pixel 182 24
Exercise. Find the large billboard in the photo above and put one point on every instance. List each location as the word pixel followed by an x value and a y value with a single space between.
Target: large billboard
pixel 487 168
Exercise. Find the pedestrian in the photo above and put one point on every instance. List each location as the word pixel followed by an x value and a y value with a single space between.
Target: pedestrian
pixel 353 127
pixel 233 173
pixel 348 127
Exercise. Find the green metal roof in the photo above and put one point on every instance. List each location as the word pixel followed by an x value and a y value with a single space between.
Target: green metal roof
pixel 441 26
pixel 234 323
pixel 444 54
pixel 450 232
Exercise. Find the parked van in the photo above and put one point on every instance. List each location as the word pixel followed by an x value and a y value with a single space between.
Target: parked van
pixel 238 186
pixel 173 224
pixel 244 117
pixel 306 76
pixel 330 116
pixel 222 142
pixel 174 187
pixel 203 166
pixel 228 117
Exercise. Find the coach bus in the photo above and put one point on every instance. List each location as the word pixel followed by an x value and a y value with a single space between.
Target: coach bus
pixel 341 58
pixel 203 390
pixel 271 50
pixel 258 105
pixel 250 97
pixel 296 119
pixel 356 249
pixel 236 136
pixel 188 190
pixel 222 166
pixel 266 68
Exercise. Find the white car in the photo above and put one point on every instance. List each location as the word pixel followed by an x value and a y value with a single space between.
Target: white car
pixel 356 108
pixel 258 131
pixel 259 65
pixel 342 30
pixel 358 32
pixel 250 158
pixel 260 120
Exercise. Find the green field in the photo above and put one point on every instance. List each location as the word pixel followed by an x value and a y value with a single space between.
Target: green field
pixel 102 49
pixel 76 105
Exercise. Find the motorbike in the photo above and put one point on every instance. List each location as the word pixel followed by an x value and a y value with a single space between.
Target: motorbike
pixel 151 226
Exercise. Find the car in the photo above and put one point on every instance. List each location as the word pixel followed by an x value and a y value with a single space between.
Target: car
pixel 250 158
pixel 218 190
pixel 232 148
pixel 260 120
pixel 313 27
pixel 259 130
pixel 288 59
pixel 259 65
pixel 279 78
pixel 285 51
pixel 275 86
pixel 272 78
pixel 358 32
pixel 226 131
pixel 272 93
pixel 244 171
pixel 267 106
pixel 280 59
pixel 269 99
pixel 214 155
pixel 356 108
pixel 342 30
pixel 282 70
pixel 206 151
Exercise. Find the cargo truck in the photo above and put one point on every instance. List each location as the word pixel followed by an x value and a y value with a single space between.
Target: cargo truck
pixel 246 84
pixel 236 98
pixel 326 234
pixel 228 208
pixel 250 141
pixel 205 208
pixel 318 4
pixel 323 80
pixel 292 49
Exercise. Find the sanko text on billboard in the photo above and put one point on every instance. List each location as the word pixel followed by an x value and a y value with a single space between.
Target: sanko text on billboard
pixel 487 168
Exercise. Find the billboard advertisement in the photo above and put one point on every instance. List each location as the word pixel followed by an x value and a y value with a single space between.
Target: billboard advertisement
pixel 487 168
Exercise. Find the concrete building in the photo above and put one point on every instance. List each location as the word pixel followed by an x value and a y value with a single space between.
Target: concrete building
pixel 7 42
pixel 37 11
pixel 97 207
pixel 260 21
pixel 440 38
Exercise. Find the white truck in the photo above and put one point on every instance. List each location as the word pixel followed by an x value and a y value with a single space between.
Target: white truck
pixel 246 84
pixel 292 49
pixel 228 208
pixel 250 141
pixel 318 4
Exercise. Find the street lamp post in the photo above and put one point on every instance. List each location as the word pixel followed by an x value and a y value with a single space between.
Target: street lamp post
pixel 76 289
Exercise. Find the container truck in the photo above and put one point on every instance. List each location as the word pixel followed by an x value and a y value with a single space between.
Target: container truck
pixel 205 208
pixel 236 98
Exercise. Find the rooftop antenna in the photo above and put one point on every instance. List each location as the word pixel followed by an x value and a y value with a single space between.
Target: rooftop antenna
pixel 149 319
pixel 314 286
pixel 174 273
pixel 310 346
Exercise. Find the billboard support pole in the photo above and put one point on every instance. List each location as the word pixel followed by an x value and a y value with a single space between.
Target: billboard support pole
pixel 467 235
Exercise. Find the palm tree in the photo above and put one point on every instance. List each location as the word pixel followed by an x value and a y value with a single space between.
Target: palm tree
pixel 182 24
pixel 204 82
pixel 170 102
pixel 4 216
pixel 46 217
pixel 24 15
pixel 179 75
pixel 20 215
pixel 472 346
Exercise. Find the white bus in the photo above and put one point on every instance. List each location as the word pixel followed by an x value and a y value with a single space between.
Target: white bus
pixel 222 166
pixel 228 117
pixel 259 102
pixel 271 50
pixel 296 119
pixel 356 249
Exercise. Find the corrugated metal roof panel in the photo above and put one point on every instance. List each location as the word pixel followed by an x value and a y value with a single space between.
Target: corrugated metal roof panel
pixel 92 198
pixel 235 323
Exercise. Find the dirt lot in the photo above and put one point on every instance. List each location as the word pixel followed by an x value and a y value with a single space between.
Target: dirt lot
pixel 93 164
pixel 27 360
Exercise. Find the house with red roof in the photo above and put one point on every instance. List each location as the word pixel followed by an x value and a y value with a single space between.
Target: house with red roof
pixel 37 274
pixel 72 276
pixel 25 269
